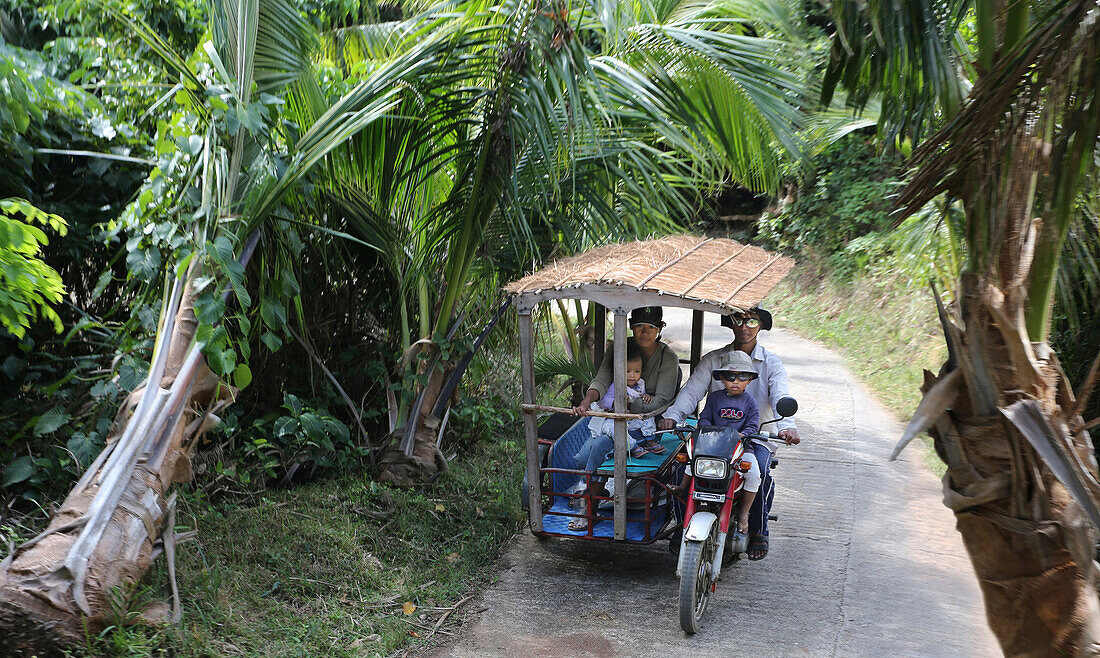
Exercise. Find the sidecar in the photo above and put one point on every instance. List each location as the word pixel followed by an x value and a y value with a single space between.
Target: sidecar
pixel 703 274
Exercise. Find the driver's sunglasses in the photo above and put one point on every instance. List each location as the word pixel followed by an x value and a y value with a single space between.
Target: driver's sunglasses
pixel 736 376
pixel 751 323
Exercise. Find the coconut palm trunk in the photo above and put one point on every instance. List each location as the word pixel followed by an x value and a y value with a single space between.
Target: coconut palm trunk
pixel 1029 542
pixel 61 584
pixel 1021 476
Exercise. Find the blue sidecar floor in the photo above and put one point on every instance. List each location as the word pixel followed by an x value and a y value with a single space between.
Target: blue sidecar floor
pixel 554 521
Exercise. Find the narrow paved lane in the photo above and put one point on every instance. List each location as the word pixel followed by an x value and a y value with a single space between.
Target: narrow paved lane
pixel 865 560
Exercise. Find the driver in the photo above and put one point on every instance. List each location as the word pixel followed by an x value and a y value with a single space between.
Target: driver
pixel 769 388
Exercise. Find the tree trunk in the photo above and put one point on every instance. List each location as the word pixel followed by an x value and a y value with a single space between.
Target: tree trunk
pixel 415 458
pixel 1031 547
pixel 57 586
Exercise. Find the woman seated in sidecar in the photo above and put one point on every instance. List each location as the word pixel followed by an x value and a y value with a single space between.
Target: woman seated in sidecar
pixel 661 374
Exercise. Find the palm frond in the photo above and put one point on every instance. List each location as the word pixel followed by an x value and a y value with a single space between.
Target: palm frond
pixel 580 368
pixel 911 54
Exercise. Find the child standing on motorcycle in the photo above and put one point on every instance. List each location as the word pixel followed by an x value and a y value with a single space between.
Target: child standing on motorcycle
pixel 731 407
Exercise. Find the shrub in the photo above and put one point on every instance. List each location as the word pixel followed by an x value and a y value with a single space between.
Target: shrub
pixel 841 211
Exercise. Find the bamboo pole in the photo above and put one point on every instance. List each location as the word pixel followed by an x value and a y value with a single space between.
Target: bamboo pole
pixel 756 275
pixel 679 259
pixel 620 423
pixel 530 430
pixel 595 414
pixel 600 327
pixel 712 270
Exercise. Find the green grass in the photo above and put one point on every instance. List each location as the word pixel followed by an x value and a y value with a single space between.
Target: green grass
pixel 887 333
pixel 325 569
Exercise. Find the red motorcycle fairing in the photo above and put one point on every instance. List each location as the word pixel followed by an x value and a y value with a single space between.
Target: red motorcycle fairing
pixel 736 481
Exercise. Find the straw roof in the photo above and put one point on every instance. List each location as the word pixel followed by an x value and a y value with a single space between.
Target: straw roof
pixel 682 270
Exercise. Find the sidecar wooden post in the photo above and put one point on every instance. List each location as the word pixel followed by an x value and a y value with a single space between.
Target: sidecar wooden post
pixel 702 274
pixel 530 429
pixel 620 424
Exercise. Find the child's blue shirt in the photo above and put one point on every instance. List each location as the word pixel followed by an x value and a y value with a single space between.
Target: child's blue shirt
pixel 739 412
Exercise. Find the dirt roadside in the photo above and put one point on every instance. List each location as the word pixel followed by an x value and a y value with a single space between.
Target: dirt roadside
pixel 864 561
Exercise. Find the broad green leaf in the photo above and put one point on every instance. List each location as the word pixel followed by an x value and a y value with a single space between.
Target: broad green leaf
pixel 184 263
pixel 144 262
pixel 242 376
pixel 220 361
pixel 19 470
pixel 272 341
pixel 313 426
pixel 209 307
pixel 284 426
pixel 291 402
pixel 50 421
pixel 130 373
pixel 289 283
pixel 274 314
pixel 84 448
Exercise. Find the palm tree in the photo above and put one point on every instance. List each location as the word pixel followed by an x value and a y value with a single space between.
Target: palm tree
pixel 106 532
pixel 472 130
pixel 1017 124
pixel 566 126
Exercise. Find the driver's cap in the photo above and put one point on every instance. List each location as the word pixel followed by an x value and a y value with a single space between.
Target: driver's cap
pixel 761 312
pixel 651 315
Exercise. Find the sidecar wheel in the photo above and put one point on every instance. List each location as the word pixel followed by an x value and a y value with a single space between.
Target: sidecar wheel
pixel 695 582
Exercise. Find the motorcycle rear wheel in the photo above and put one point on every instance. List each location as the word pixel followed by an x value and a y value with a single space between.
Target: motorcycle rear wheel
pixel 695 582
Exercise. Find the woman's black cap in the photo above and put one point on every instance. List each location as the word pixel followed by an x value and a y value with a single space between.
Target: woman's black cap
pixel 650 315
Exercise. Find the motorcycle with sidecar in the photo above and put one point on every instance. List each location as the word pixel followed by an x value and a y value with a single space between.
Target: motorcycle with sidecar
pixel 643 494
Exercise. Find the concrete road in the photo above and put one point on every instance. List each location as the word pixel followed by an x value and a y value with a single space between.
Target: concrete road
pixel 864 560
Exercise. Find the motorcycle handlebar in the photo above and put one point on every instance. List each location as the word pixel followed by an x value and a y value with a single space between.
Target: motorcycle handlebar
pixel 688 429
pixel 681 430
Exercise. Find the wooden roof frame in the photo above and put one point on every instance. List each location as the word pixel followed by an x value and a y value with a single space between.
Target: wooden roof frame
pixel 620 297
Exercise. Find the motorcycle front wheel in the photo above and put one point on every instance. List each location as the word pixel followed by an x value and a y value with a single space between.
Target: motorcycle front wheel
pixel 695 581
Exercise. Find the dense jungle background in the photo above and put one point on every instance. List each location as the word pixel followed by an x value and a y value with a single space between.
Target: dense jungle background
pixel 382 202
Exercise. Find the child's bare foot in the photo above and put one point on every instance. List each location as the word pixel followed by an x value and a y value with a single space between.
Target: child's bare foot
pixel 743 525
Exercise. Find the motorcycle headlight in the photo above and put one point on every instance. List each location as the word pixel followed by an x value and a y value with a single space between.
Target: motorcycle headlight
pixel 710 468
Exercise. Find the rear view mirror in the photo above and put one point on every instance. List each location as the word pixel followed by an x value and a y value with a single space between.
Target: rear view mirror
pixel 786 406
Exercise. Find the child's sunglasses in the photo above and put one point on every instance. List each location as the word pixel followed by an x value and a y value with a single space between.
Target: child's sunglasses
pixel 751 323
pixel 736 376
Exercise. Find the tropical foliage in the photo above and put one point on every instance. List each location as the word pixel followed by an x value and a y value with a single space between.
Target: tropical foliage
pixel 378 175
pixel 30 287
pixel 286 222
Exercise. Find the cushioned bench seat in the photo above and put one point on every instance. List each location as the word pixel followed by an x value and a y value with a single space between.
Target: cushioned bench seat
pixel 649 462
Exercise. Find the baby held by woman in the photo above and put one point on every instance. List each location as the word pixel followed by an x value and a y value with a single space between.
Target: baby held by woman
pixel 642 432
